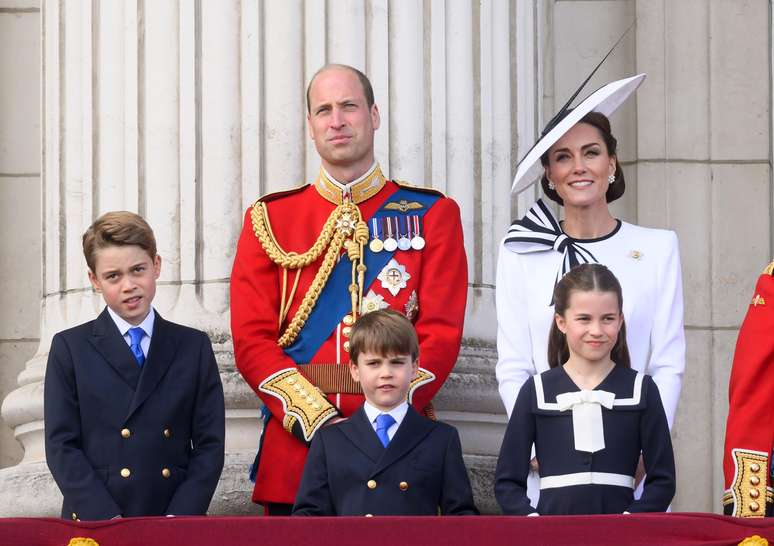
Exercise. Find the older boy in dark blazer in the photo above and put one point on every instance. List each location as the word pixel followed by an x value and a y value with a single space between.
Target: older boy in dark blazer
pixel 386 459
pixel 134 410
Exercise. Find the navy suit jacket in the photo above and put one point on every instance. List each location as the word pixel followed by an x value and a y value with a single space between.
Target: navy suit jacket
pixel 421 472
pixel 131 441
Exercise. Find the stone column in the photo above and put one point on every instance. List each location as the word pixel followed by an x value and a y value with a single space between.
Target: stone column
pixel 187 111
pixel 704 170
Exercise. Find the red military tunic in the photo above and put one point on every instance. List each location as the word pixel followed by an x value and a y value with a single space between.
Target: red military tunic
pixel 750 425
pixel 433 297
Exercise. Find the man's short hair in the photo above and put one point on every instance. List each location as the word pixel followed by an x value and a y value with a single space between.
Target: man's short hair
pixel 368 90
pixel 385 332
pixel 117 228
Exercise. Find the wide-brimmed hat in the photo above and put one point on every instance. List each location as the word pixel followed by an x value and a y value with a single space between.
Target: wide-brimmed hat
pixel 604 100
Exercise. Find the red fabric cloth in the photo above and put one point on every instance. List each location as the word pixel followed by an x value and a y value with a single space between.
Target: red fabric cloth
pixel 750 424
pixel 645 529
pixel 438 276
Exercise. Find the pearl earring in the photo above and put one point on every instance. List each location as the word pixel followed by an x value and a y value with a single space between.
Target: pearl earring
pixel 551 185
pixel 611 179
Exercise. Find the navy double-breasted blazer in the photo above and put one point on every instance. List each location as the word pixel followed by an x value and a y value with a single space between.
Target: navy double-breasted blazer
pixel 421 472
pixel 131 441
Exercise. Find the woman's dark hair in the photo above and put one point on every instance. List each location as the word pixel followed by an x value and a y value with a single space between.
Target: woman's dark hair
pixel 585 278
pixel 601 124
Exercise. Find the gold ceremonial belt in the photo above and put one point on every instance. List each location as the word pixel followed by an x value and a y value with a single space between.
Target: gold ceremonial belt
pixel 331 378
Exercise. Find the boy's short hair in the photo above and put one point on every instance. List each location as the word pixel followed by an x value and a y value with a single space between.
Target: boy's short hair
pixel 383 332
pixel 117 228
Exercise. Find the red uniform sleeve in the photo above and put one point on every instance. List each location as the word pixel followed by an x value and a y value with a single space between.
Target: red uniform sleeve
pixel 750 424
pixel 442 294
pixel 273 375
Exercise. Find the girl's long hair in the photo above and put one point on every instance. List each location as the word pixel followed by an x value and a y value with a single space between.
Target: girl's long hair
pixel 585 278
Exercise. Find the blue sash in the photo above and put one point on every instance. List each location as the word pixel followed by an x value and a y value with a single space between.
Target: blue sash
pixel 334 301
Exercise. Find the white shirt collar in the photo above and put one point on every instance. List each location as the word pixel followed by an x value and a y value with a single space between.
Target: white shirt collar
pixel 123 326
pixel 345 187
pixel 398 412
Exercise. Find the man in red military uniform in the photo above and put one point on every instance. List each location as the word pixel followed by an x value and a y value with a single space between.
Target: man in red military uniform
pixel 312 259
pixel 750 427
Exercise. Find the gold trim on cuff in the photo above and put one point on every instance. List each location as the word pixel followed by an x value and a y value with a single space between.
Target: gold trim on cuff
pixel 750 473
pixel 300 400
pixel 423 377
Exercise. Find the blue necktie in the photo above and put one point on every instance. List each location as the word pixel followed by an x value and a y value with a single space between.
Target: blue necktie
pixel 383 422
pixel 136 335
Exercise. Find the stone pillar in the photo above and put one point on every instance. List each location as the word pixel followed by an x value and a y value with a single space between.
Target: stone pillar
pixel 187 111
pixel 704 170
pixel 20 196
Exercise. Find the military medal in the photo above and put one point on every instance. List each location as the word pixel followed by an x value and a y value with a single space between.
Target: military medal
pixel 376 244
pixel 417 241
pixel 393 277
pixel 390 244
pixel 404 243
pixel 412 305
pixel 373 302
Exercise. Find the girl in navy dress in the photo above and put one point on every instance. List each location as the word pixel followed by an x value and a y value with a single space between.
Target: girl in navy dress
pixel 590 416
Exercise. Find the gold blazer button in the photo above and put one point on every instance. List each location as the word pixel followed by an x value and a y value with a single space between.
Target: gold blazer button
pixel 125 433
pixel 371 484
pixel 125 472
pixel 166 473
pixel 403 486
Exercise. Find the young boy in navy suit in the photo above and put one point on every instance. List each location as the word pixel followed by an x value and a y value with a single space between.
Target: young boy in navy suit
pixel 386 459
pixel 134 411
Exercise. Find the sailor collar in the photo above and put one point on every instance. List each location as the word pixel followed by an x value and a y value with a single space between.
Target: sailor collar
pixel 548 402
pixel 356 191
pixel 586 406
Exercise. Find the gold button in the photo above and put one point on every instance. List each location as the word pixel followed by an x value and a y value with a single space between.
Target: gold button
pixel 309 400
pixel 754 480
pixel 316 406
pixel 346 330
pixel 75 516
pixel 754 506
pixel 348 320
pixel 291 380
pixel 125 433
pixel 297 387
pixel 403 486
pixel 754 493
pixel 346 346
pixel 371 484
pixel 755 467
pixel 167 433
pixel 302 393
pixel 125 472
pixel 369 515
pixel 166 473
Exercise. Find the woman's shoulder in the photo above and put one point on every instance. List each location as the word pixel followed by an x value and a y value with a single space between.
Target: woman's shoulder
pixel 657 236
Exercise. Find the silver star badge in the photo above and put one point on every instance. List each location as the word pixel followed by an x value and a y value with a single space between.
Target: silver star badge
pixel 373 302
pixel 394 277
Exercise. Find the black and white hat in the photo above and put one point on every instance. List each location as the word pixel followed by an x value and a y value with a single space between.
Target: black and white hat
pixel 604 100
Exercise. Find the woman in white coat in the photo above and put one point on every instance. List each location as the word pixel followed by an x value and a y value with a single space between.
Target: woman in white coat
pixel 581 172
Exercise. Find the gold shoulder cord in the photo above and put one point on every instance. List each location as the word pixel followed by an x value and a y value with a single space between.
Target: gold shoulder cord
pixel 343 228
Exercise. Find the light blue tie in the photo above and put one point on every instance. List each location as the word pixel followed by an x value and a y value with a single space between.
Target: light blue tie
pixel 383 422
pixel 136 335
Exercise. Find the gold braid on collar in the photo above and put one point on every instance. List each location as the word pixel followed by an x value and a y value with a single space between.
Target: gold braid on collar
pixel 343 228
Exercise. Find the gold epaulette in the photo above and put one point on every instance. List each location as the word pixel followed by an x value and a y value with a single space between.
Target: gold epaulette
pixel 404 184
pixel 278 194
pixel 748 491
pixel 769 269
pixel 301 400
pixel 423 377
